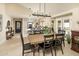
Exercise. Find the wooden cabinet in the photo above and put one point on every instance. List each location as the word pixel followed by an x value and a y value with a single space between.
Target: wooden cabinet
pixel 75 41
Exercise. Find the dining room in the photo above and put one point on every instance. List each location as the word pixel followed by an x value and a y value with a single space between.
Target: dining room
pixel 40 29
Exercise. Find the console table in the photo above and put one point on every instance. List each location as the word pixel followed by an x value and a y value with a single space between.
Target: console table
pixel 9 34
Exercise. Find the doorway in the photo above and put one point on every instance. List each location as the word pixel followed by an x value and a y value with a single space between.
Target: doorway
pixel 18 26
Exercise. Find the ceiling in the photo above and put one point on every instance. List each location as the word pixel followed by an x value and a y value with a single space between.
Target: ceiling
pixel 52 8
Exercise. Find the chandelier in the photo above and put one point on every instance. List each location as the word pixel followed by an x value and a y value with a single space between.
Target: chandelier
pixel 40 13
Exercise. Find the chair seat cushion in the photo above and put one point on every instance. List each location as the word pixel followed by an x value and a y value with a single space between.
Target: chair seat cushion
pixel 42 45
pixel 57 43
pixel 52 42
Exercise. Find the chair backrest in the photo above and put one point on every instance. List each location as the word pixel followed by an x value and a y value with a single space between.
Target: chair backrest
pixel 22 39
pixel 59 38
pixel 48 37
pixel 59 35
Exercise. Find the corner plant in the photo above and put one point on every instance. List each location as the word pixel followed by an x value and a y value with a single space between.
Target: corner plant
pixel 68 38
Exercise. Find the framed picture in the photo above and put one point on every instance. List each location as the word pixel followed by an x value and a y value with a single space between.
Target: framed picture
pixel 0 23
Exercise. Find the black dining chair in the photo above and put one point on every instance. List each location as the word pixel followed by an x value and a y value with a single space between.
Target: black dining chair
pixel 46 44
pixel 63 40
pixel 57 43
pixel 26 46
pixel 62 33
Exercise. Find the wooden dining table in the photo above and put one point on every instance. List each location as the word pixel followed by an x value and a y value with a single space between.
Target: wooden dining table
pixel 38 38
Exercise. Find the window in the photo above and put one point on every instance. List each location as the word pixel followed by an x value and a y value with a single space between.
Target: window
pixel 59 25
pixel 66 24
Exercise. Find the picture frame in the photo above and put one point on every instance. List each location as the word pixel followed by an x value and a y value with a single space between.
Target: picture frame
pixel 0 23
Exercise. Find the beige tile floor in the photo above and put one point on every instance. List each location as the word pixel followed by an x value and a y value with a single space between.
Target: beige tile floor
pixel 13 47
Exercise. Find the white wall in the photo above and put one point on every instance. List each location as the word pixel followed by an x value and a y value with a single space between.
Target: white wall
pixel 24 27
pixel 15 10
pixel 4 22
pixel 8 11
pixel 2 12
pixel 75 18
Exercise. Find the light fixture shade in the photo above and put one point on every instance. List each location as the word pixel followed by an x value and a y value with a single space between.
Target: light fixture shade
pixel 40 13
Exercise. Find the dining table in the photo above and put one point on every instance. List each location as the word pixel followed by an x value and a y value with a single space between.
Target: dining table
pixel 36 39
pixel 39 38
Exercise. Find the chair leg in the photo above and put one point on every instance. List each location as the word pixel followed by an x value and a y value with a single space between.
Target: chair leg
pixel 55 51
pixel 43 52
pixel 33 52
pixel 62 50
pixel 23 53
pixel 51 51
pixel 38 51
pixel 63 42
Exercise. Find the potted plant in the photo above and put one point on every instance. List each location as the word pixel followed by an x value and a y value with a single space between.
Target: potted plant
pixel 68 38
pixel 45 30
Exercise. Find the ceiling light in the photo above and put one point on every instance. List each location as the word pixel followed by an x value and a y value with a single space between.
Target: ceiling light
pixel 41 14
